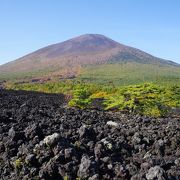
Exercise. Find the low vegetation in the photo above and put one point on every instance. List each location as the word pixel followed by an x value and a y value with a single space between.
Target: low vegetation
pixel 129 73
pixel 121 74
pixel 147 99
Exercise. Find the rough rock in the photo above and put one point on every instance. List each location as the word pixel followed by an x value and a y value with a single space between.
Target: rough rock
pixel 51 139
pixel 40 138
pixel 156 172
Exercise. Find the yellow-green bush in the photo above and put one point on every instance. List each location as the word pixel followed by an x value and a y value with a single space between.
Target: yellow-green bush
pixel 146 99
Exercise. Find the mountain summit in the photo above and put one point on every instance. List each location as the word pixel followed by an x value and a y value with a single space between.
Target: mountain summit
pixel 88 49
pixel 89 43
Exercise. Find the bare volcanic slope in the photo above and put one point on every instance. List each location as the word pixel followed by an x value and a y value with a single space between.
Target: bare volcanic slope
pixel 82 50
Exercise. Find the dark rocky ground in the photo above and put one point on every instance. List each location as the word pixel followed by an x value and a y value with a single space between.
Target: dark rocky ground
pixel 41 139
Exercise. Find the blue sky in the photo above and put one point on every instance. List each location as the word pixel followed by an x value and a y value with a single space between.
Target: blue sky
pixel 150 25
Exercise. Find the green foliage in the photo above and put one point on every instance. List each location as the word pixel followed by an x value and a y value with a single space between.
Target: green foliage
pixel 147 99
pixel 117 73
pixel 131 73
pixel 18 164
pixel 65 177
pixel 50 87
pixel 80 97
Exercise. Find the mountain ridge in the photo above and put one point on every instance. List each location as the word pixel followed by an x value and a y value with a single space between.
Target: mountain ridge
pixel 86 49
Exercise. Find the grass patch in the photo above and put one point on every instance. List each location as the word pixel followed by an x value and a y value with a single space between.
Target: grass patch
pixel 131 73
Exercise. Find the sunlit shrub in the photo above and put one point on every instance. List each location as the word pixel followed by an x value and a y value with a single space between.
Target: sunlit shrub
pixel 146 99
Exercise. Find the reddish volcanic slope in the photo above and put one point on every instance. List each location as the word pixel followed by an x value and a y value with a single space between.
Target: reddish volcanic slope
pixel 82 50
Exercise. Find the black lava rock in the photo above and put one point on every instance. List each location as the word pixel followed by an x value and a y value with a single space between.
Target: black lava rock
pixel 42 139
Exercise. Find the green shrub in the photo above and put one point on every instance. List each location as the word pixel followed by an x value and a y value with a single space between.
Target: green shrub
pixel 146 99
pixel 18 164
pixel 81 97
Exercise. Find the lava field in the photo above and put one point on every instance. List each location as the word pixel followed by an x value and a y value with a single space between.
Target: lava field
pixel 41 138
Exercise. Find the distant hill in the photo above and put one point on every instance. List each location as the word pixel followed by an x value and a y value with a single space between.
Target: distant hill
pixel 77 53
